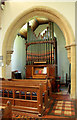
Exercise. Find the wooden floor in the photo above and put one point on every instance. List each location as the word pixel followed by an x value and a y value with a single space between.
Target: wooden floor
pixel 61 98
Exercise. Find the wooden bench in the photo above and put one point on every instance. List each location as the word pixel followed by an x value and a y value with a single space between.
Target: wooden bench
pixel 31 82
pixel 6 111
pixel 47 87
pixel 24 83
pixel 9 92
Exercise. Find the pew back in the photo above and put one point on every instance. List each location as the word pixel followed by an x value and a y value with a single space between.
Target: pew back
pixel 46 83
pixel 9 92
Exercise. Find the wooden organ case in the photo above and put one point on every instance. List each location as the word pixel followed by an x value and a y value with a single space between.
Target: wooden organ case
pixel 41 54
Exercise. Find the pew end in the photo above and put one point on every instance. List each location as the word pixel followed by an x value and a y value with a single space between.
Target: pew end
pixel 6 111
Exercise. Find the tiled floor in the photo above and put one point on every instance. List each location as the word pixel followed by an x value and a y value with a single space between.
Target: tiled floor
pixel 61 107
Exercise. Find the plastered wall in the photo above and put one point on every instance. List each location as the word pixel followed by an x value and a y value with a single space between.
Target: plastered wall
pixel 62 60
pixel 19 56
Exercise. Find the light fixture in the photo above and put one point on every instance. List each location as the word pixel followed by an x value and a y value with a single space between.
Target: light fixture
pixel 2 5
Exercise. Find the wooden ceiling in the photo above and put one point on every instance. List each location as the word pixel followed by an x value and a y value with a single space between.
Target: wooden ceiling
pixel 35 23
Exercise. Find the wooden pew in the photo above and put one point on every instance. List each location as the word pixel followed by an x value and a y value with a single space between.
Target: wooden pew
pixel 32 82
pixel 36 82
pixel 6 111
pixel 28 105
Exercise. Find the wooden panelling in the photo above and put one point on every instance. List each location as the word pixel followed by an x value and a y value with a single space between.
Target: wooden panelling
pixel 50 71
pixel 29 71
pixel 26 103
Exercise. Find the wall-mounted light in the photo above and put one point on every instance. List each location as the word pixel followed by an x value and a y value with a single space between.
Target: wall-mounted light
pixel 2 5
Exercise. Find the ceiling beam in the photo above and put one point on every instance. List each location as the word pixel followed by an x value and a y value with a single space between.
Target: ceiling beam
pixel 36 23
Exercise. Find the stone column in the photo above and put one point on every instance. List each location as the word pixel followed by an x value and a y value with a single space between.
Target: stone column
pixel 76 71
pixel 76 41
pixel 68 48
pixel 1 65
pixel 73 70
pixel 8 57
pixel 8 64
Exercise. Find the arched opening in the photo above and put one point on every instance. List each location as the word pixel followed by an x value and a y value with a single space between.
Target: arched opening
pixel 52 15
pixel 19 53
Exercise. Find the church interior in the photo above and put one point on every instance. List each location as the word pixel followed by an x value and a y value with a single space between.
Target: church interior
pixel 37 79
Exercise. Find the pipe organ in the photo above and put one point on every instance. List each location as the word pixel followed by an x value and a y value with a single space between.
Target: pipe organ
pixel 41 50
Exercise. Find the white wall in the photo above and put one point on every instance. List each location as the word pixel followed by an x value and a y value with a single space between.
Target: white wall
pixel 62 60
pixel 19 56
pixel 40 29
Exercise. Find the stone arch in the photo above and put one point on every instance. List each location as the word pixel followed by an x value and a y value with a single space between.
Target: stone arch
pixel 43 11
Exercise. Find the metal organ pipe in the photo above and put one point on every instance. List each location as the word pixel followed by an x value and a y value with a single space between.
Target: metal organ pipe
pixel 41 48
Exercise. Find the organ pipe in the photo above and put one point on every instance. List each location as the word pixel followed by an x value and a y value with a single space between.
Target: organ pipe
pixel 41 48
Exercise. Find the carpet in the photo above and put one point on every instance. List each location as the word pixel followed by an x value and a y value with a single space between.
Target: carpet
pixel 62 108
